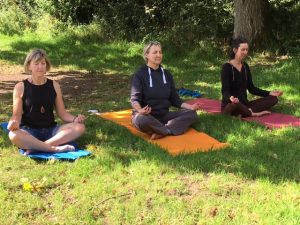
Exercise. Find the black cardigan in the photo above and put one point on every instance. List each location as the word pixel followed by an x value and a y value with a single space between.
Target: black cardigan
pixel 236 83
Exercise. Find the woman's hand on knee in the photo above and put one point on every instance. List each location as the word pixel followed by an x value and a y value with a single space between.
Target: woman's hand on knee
pixel 234 99
pixel 13 125
pixel 144 111
pixel 79 118
pixel 195 106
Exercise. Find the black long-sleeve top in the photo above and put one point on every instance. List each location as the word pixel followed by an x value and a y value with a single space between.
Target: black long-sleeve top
pixel 160 96
pixel 236 83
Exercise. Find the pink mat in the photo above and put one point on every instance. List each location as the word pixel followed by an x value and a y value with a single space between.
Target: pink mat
pixel 276 120
pixel 272 121
pixel 207 105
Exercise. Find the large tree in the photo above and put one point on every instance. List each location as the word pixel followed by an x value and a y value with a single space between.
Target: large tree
pixel 251 19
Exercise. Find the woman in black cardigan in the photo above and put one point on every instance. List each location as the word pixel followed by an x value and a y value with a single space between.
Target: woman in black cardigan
pixel 237 80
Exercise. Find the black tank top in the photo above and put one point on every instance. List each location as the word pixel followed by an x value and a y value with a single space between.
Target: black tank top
pixel 38 105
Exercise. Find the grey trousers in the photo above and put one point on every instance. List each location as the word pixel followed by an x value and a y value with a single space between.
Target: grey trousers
pixel 176 122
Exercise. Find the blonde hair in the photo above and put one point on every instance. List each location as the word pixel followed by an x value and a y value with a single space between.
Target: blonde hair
pixel 36 55
pixel 147 49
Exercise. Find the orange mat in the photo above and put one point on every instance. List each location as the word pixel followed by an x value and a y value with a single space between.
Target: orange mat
pixel 190 142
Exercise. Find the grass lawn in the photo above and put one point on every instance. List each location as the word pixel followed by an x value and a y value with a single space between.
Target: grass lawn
pixel 129 181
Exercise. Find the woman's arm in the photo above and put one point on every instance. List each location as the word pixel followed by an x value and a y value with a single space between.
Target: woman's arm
pixel 251 87
pixel 15 120
pixel 226 78
pixel 257 91
pixel 136 96
pixel 61 110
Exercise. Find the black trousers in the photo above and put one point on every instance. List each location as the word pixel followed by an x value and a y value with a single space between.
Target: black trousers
pixel 176 122
pixel 258 105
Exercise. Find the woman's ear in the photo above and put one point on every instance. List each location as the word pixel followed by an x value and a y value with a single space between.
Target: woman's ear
pixel 234 50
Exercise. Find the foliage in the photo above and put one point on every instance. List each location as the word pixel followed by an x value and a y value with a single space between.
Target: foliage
pixel 13 20
pixel 285 24
pixel 179 22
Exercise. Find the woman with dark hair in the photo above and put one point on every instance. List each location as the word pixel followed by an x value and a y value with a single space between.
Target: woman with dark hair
pixel 32 125
pixel 153 93
pixel 237 80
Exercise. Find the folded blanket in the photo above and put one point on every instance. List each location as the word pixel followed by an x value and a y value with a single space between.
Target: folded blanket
pixel 187 92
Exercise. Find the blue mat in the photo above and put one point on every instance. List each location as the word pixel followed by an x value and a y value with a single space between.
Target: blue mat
pixel 45 155
pixel 187 92
pixel 4 126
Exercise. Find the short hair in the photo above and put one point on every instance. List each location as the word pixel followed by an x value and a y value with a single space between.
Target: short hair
pixel 36 55
pixel 147 48
pixel 235 43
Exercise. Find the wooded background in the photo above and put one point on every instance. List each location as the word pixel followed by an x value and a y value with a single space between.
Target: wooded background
pixel 266 23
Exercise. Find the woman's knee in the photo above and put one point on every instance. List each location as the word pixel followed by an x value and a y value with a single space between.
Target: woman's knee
pixel 192 115
pixel 79 128
pixel 273 100
pixel 14 136
pixel 142 121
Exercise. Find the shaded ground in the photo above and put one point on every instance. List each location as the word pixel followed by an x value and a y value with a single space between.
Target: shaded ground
pixel 94 90
pixel 71 82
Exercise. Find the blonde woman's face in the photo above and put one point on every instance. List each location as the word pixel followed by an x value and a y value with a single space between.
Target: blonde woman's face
pixel 38 67
pixel 155 55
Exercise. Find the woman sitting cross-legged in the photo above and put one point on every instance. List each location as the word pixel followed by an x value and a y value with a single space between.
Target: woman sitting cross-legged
pixel 32 125
pixel 153 93
pixel 237 79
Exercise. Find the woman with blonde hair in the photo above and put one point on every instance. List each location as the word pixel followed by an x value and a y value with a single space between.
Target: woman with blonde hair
pixel 153 93
pixel 32 125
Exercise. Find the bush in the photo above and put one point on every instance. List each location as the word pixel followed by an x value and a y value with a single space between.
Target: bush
pixel 13 20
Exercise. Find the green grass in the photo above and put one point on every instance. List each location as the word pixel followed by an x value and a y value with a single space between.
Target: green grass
pixel 129 181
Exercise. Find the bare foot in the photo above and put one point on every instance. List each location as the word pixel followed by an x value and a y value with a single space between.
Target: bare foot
pixel 155 136
pixel 261 113
pixel 65 148
pixel 27 152
pixel 62 148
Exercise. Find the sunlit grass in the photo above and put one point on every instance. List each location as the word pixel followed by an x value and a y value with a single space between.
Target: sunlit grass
pixel 128 180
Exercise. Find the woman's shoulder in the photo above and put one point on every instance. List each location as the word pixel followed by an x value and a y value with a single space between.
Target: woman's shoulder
pixel 246 64
pixel 54 82
pixel 227 65
pixel 19 89
pixel 20 84
pixel 167 71
pixel 140 70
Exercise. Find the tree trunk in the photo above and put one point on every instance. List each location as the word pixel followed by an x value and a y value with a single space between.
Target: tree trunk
pixel 250 19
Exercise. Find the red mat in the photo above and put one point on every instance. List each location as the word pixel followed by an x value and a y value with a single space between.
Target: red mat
pixel 207 105
pixel 276 120
pixel 272 121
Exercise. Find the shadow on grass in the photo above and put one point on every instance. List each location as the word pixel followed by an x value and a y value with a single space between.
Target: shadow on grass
pixel 254 153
